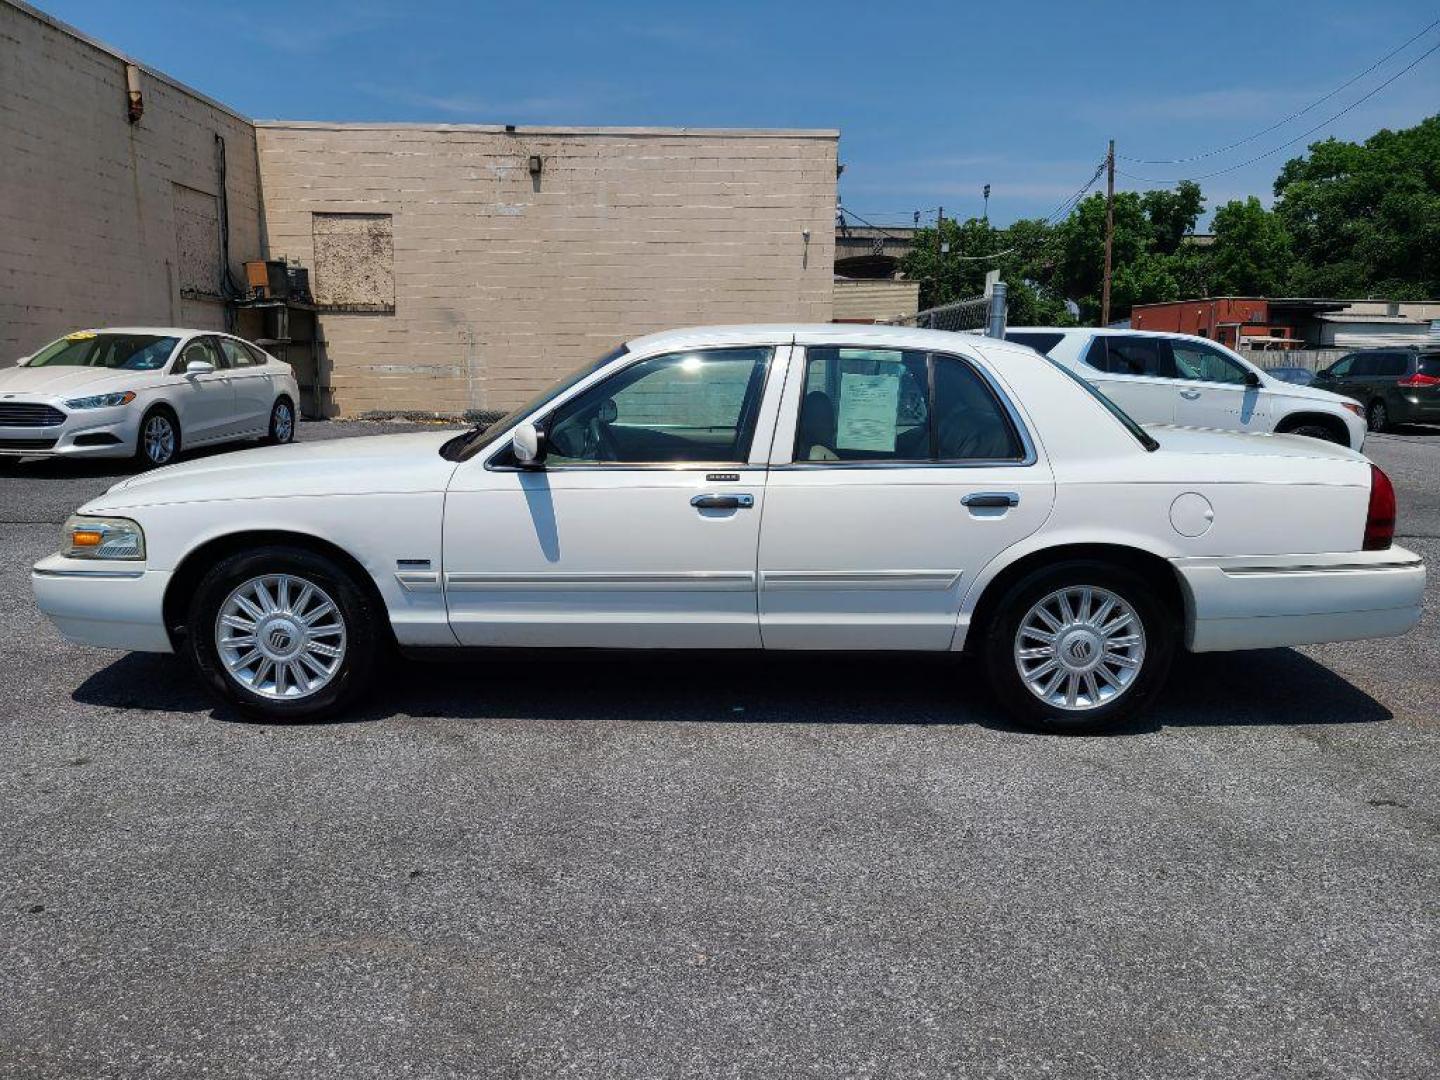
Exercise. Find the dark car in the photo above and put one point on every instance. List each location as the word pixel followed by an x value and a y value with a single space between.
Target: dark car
pixel 1396 386
pixel 1298 375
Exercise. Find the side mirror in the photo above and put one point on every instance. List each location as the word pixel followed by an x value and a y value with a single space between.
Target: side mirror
pixel 526 442
pixel 199 367
pixel 1323 373
pixel 1252 379
pixel 22 361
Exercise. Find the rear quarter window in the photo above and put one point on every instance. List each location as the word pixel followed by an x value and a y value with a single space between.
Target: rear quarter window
pixel 1428 364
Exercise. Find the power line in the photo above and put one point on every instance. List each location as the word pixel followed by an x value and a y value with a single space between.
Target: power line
pixel 1293 116
pixel 1303 135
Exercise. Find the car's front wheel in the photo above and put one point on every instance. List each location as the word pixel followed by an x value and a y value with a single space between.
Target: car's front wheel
pixel 1079 647
pixel 282 422
pixel 283 633
pixel 159 440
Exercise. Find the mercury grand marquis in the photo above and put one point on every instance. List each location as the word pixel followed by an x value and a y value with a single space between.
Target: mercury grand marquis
pixel 753 487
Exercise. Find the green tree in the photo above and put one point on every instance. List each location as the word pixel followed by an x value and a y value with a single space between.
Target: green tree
pixel 1364 218
pixel 1172 215
pixel 1252 254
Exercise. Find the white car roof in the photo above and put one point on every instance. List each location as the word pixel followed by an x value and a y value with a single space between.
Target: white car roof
pixel 1105 330
pixel 895 337
pixel 158 331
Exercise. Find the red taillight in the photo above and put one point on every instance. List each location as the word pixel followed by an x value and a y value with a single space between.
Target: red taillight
pixel 1380 520
pixel 1419 379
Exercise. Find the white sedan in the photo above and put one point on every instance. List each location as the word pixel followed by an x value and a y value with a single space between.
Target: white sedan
pixel 777 487
pixel 143 392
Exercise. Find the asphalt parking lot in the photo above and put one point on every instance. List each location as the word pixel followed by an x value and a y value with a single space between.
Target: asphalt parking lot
pixel 779 868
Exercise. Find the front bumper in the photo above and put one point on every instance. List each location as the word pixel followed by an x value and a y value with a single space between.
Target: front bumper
pixel 83 433
pixel 109 604
pixel 1265 601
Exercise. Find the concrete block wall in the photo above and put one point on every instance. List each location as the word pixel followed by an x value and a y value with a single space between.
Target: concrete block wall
pixel 88 230
pixel 504 281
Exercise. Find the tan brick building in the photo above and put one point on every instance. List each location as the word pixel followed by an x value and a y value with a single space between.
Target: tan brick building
pixel 457 267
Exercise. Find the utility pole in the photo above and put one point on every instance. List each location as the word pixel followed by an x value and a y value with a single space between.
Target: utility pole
pixel 1109 232
pixel 986 212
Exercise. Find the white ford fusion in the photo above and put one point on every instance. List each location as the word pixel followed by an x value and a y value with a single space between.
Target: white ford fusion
pixel 143 392
pixel 766 487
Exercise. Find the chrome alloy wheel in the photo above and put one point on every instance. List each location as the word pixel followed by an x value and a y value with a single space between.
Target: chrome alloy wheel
pixel 280 636
pixel 159 438
pixel 1079 648
pixel 284 422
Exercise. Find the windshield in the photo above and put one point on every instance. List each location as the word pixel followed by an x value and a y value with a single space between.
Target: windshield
pixel 120 352
pixel 471 443
pixel 1141 435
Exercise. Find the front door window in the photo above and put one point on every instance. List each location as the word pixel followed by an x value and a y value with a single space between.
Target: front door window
pixel 695 406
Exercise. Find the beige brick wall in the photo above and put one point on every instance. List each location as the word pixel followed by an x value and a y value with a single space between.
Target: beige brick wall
pixel 502 284
pixel 87 200
pixel 875 300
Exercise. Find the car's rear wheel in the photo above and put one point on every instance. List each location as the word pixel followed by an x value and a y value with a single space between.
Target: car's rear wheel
pixel 1377 416
pixel 1079 647
pixel 282 422
pixel 159 440
pixel 283 633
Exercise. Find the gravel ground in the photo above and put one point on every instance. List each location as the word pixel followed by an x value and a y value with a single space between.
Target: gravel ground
pixel 781 868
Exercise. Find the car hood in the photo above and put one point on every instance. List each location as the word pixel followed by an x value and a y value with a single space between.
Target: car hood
pixel 1308 393
pixel 367 465
pixel 69 381
pixel 1207 441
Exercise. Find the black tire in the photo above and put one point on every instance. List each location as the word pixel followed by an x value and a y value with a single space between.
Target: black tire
pixel 1161 631
pixel 1377 416
pixel 1316 431
pixel 282 422
pixel 360 644
pixel 150 453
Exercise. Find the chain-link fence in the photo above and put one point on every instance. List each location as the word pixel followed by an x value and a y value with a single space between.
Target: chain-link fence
pixel 975 315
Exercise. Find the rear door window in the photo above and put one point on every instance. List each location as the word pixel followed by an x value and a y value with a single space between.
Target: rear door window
pixel 1393 365
pixel 1119 354
pixel 236 353
pixel 893 405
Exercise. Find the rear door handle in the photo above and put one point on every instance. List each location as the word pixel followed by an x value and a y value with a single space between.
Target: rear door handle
pixel 1190 395
pixel 723 502
pixel 991 499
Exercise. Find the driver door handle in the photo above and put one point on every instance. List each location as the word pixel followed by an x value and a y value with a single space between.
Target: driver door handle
pixel 991 499
pixel 723 502
pixel 1190 395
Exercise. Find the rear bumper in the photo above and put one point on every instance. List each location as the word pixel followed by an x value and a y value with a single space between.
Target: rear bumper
pixel 111 605
pixel 1260 602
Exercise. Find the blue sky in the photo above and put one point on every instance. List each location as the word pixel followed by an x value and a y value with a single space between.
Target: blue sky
pixel 932 99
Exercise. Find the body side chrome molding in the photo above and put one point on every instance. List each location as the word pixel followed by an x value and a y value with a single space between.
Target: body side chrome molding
pixel 690 580
pixel 908 580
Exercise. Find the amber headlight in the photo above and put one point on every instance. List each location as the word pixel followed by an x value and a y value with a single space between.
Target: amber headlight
pixel 102 538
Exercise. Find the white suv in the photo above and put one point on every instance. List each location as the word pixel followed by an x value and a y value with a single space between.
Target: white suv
pixel 1193 382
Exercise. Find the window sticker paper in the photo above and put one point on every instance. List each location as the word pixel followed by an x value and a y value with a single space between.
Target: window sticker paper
pixel 869 409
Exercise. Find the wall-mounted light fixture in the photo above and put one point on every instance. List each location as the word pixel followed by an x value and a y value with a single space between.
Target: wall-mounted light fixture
pixel 537 164
pixel 136 107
